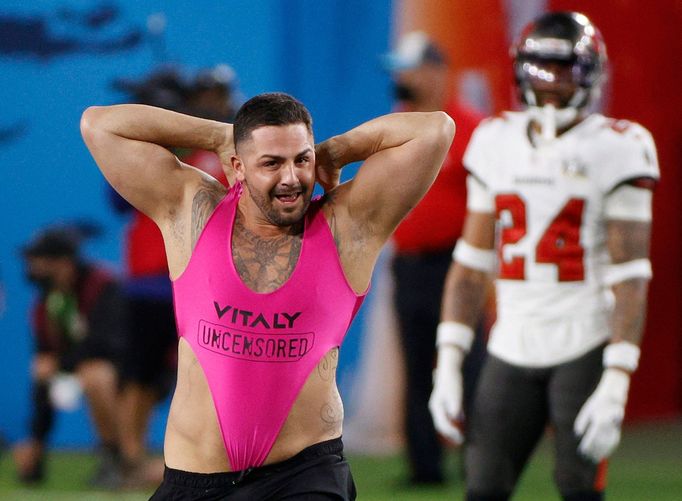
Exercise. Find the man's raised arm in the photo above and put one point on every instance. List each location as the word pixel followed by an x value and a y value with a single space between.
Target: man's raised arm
pixel 129 143
pixel 402 155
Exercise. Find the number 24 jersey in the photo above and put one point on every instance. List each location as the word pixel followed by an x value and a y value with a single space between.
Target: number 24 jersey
pixel 552 302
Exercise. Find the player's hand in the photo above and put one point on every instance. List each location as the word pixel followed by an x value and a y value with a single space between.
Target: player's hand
pixel 327 173
pixel 599 421
pixel 445 403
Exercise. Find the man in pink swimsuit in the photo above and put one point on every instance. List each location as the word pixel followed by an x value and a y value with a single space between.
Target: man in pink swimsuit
pixel 266 280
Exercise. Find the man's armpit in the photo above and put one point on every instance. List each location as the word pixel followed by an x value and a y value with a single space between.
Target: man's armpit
pixel 204 203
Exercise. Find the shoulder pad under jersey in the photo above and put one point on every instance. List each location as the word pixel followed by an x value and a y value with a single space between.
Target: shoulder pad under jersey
pixel 622 151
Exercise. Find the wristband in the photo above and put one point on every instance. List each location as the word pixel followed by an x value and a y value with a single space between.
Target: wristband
pixel 455 333
pixel 637 268
pixel 622 355
pixel 474 257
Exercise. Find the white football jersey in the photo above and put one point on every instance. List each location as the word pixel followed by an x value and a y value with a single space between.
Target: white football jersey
pixel 552 303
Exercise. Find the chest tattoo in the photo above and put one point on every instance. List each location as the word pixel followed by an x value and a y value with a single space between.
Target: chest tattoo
pixel 264 264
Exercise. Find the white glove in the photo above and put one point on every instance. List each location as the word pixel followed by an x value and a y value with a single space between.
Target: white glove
pixel 601 416
pixel 445 403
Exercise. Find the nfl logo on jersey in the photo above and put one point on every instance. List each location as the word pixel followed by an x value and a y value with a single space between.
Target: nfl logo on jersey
pixel 574 168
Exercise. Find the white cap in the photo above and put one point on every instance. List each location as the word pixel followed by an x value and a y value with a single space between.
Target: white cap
pixel 413 50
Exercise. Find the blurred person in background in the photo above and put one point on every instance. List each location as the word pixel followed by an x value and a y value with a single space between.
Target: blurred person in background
pixel 149 365
pixel 213 95
pixel 570 191
pixel 79 322
pixel 423 246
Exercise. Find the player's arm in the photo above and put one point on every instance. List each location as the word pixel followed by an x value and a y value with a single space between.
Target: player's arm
pixel 629 274
pixel 468 278
pixel 402 154
pixel 129 143
pixel 464 296
pixel 628 231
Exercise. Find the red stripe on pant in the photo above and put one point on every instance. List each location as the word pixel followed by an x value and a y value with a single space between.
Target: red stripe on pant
pixel 600 477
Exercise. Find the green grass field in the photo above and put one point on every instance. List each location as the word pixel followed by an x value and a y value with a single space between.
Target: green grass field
pixel 647 467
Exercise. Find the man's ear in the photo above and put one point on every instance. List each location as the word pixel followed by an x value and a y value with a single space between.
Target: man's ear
pixel 238 167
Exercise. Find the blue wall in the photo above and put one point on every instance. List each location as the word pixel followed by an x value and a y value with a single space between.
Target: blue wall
pixel 323 52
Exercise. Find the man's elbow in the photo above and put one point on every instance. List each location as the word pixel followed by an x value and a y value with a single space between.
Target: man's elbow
pixel 97 121
pixel 443 128
pixel 91 122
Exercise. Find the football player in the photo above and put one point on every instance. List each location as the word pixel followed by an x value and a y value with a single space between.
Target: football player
pixel 559 213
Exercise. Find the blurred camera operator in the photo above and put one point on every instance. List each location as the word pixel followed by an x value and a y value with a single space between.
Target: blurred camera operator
pixel 79 326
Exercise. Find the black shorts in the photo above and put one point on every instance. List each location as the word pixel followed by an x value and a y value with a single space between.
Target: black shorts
pixel 319 472
pixel 513 406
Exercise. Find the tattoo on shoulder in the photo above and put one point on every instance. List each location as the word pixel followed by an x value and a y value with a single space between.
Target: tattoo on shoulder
pixel 351 240
pixel 204 202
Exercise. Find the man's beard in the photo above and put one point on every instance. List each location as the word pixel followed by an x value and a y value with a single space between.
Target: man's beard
pixel 265 203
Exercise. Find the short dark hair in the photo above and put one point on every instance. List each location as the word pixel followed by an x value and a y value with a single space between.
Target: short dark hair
pixel 272 108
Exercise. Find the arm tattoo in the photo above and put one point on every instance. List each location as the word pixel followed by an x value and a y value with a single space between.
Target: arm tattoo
pixel 468 296
pixel 629 312
pixel 204 202
pixel 628 240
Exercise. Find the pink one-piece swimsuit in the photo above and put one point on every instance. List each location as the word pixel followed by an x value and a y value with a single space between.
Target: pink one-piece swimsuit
pixel 258 349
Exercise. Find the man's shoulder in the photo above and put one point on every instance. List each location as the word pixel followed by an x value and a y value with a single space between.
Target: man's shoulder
pixel 495 137
pixel 618 150
pixel 207 186
pixel 614 132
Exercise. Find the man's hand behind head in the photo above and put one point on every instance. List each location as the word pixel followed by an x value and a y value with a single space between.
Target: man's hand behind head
pixel 327 173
